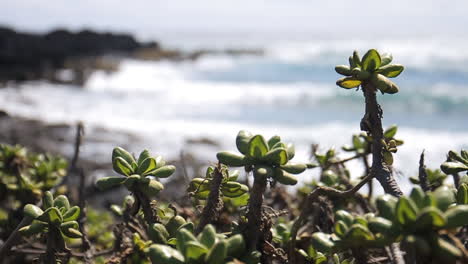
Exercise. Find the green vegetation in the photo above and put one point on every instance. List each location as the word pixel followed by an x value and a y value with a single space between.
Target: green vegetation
pixel 324 220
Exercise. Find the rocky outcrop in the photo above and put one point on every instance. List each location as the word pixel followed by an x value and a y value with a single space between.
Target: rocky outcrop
pixel 27 56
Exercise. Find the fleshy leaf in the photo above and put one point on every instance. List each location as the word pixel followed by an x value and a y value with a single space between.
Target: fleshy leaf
pixel 371 60
pixel 348 82
pixel 258 147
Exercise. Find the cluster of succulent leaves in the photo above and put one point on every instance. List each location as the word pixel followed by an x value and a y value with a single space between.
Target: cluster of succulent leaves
pixel 230 188
pixel 316 257
pixel 138 174
pixel 456 163
pixel 268 159
pixel 419 221
pixel 25 171
pixel 208 247
pixel 55 214
pixel 435 178
pixel 361 144
pixel 373 68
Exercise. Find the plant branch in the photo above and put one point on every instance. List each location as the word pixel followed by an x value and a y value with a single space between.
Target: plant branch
pixel 372 123
pixel 214 203
pixel 422 174
pixel 254 215
pixel 311 198
pixel 13 238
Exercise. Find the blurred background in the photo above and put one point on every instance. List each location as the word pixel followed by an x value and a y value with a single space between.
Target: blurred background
pixel 183 77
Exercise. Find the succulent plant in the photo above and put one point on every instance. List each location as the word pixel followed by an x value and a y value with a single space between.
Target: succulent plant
pixel 268 159
pixel 419 220
pixel 208 247
pixel 456 163
pixel 435 178
pixel 138 174
pixel 230 188
pixel 25 171
pixel 373 68
pixel 315 257
pixel 57 214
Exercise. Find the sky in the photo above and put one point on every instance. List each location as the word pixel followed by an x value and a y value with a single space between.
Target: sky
pixel 148 18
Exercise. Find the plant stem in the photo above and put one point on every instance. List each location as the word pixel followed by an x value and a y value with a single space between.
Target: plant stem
pixel 422 174
pixel 13 238
pixel 254 215
pixel 372 123
pixel 145 203
pixel 311 198
pixel 214 204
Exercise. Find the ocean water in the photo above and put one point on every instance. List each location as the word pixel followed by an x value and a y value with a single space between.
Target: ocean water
pixel 290 91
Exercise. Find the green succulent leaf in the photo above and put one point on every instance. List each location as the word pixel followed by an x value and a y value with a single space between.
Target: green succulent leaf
pixel 152 188
pixel 147 165
pixel 346 217
pixel 322 242
pixel 106 183
pixel 231 159
pixel 348 82
pixel 165 255
pixel 291 150
pixel 452 167
pixel 217 253
pixel 277 156
pixel 32 211
pixel 234 189
pixel 143 155
pixel 462 194
pixel 384 84
pixel 61 201
pixel 208 236
pixel 294 168
pixel 47 200
pixel 35 227
pixel 162 172
pixel 72 214
pixel 258 147
pixel 242 141
pixel 386 59
pixel 430 217
pixel 390 132
pixel 341 228
pixel 356 58
pixel 371 60
pixel 273 141
pixel 195 250
pixel 122 167
pixel 380 225
pixel 391 71
pixel 283 177
pixel 235 246
pixel 51 215
pixel 406 211
pixel 343 70
pixel 444 197
pixel 457 216
pixel 263 171
pixel 122 153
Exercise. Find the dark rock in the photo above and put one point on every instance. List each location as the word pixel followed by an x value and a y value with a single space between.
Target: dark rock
pixel 27 56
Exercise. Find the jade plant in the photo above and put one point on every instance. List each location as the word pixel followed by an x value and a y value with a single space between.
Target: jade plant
pixel 56 221
pixel 25 172
pixel 456 163
pixel 420 221
pixel 139 176
pixel 269 160
pixel 371 73
pixel 208 247
pixel 230 188
pixel 373 68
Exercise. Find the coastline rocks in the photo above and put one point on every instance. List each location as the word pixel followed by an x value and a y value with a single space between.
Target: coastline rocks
pixel 28 56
